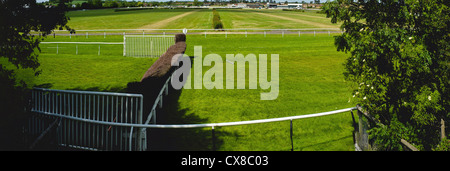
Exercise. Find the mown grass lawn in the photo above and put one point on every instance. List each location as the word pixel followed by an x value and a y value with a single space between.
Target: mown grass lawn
pixel 310 75
pixel 311 81
pixel 110 19
pixel 246 18
pixel 199 19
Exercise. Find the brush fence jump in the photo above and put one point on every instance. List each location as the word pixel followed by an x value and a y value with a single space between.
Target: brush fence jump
pixel 146 46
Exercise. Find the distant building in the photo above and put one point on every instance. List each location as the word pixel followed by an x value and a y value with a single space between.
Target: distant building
pixel 271 5
pixel 256 5
pixel 295 6
pixel 231 5
pixel 290 6
pixel 239 5
pixel 242 5
pixel 284 6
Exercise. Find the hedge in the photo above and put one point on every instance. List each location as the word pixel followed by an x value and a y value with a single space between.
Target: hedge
pixel 217 23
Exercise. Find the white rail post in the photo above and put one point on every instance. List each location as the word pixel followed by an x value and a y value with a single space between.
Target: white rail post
pixel 124 45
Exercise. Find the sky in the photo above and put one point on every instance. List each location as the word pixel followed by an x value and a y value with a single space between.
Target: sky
pixel 208 0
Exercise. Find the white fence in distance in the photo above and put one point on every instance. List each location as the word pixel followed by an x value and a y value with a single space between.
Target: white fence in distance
pixel 243 31
pixel 146 45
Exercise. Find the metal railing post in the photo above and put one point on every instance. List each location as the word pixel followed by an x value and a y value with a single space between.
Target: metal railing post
pixel 292 141
pixel 213 139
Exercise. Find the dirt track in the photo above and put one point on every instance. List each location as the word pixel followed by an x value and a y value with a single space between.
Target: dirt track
pixel 162 23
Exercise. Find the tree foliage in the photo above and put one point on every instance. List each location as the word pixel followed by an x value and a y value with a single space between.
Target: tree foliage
pixel 399 65
pixel 18 18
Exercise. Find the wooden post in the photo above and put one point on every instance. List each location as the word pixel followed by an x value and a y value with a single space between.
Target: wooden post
pixel 363 139
pixel 442 129
pixel 407 144
pixel 44 133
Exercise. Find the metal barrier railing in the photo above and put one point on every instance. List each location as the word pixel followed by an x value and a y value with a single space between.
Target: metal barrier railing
pixel 80 113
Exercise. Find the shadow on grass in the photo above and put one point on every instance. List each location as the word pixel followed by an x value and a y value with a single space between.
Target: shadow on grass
pixel 325 143
pixel 184 139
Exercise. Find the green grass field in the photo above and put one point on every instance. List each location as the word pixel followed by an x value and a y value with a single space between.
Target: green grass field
pixel 274 19
pixel 310 74
pixel 196 19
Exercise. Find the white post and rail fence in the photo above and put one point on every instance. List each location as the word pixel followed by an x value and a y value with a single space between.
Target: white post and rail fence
pixel 242 31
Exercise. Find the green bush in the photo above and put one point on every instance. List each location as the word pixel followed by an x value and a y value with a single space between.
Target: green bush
pixel 398 66
pixel 217 23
